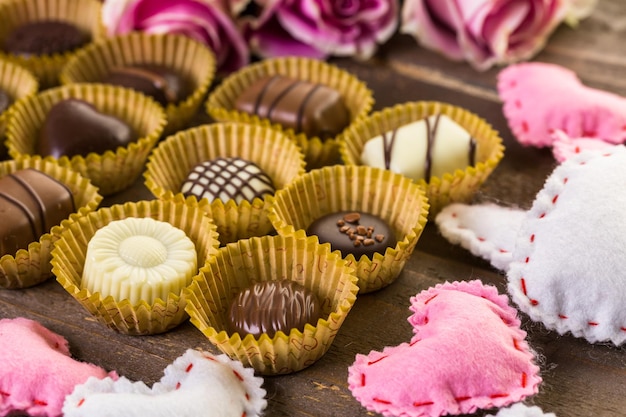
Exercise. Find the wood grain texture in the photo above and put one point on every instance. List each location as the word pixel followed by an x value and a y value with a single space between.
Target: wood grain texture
pixel 580 379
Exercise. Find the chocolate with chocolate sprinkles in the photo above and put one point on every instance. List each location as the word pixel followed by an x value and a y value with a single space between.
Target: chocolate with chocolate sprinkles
pixel 353 232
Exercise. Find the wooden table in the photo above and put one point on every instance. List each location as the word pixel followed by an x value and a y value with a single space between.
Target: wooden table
pixel 580 379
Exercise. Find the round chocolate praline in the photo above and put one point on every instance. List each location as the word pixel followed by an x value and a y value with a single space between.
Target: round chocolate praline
pixel 45 37
pixel 271 306
pixel 352 232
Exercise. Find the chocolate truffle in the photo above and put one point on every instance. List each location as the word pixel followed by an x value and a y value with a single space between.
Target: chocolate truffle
pixel 352 232
pixel 428 147
pixel 311 108
pixel 227 179
pixel 31 202
pixel 45 37
pixel 5 100
pixel 166 86
pixel 139 259
pixel 271 306
pixel 76 127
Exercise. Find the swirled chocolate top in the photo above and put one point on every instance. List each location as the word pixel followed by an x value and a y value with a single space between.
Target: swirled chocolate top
pixel 45 37
pixel 272 306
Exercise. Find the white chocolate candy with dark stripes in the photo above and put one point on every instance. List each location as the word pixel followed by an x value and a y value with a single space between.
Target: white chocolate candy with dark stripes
pixel 310 108
pixel 227 179
pixel 422 149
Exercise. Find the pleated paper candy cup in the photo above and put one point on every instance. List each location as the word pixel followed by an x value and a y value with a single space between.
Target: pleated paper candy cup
pixel 83 14
pixel 31 266
pixel 183 55
pixel 457 186
pixel 111 171
pixel 392 197
pixel 317 152
pixel 68 260
pixel 274 153
pixel 17 82
pixel 238 265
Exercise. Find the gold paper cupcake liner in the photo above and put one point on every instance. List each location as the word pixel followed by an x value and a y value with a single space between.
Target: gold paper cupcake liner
pixel 29 267
pixel 18 83
pixel 68 259
pixel 112 171
pixel 317 152
pixel 239 265
pixel 394 198
pixel 188 57
pixel 458 186
pixel 172 160
pixel 84 14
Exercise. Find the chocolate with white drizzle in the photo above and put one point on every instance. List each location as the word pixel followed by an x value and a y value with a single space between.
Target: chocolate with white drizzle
pixel 422 149
pixel 227 179
pixel 311 108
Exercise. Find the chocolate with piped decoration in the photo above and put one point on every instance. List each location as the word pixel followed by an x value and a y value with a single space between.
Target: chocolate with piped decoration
pixel 31 202
pixel 76 127
pixel 163 84
pixel 45 37
pixel 422 149
pixel 353 232
pixel 227 179
pixel 271 306
pixel 310 108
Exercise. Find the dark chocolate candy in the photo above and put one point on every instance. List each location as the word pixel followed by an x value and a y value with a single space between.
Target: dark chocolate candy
pixel 5 100
pixel 76 127
pixel 31 202
pixel 227 179
pixel 355 233
pixel 314 109
pixel 272 306
pixel 45 37
pixel 161 83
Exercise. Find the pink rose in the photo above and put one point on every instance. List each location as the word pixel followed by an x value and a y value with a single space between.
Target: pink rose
pixel 483 32
pixel 321 28
pixel 202 20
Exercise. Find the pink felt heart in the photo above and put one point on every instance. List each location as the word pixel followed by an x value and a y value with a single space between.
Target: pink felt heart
pixel 196 384
pixel 541 98
pixel 467 352
pixel 36 370
pixel 565 147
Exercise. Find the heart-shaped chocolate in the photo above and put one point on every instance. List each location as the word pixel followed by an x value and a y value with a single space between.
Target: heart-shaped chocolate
pixel 36 370
pixel 467 352
pixel 195 384
pixel 76 127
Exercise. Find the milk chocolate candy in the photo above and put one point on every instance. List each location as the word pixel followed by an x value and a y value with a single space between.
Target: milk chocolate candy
pixel 353 232
pixel 309 108
pixel 76 127
pixel 271 306
pixel 45 37
pixel 5 100
pixel 227 179
pixel 31 202
pixel 166 86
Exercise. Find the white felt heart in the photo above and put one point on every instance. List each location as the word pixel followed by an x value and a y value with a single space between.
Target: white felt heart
pixel 521 410
pixel 467 352
pixel 487 230
pixel 567 259
pixel 197 384
pixel 568 264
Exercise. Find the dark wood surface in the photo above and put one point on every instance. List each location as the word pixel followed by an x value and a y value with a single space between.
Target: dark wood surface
pixel 580 379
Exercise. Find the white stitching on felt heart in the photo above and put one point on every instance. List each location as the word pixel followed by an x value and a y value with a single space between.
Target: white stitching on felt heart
pixel 195 384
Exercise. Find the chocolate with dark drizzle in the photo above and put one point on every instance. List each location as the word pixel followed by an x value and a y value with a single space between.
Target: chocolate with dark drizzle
pixel 431 134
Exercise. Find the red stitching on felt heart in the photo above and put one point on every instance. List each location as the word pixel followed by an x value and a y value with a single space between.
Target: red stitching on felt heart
pixel 534 302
